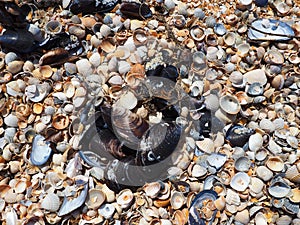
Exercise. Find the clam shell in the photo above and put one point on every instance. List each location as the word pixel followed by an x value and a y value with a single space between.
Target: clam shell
pixel 293 174
pixel 60 121
pixel 240 181
pixel 274 57
pixel 125 198
pixel 198 171
pixel 260 219
pixel 216 160
pixel 206 145
pixel 51 202
pixel 242 164
pixel 255 142
pixel 256 185
pixel 230 38
pixel 243 217
pixel 107 210
pixel 232 198
pixel 264 173
pixel 255 89
pixel 95 198
pixel 177 200
pixel 279 188
pixel 257 75
pixel 41 151
pixel 229 104
pixel 275 163
pixel 295 195
pixel 53 27
pixel 197 33
pixel 152 189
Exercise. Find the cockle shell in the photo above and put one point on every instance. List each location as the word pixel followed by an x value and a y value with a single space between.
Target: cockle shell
pixel 264 173
pixel 275 163
pixel 206 145
pixel 279 188
pixel 242 164
pixel 41 151
pixel 255 142
pixel 261 219
pixel 125 198
pixel 152 189
pixel 230 104
pixel 51 202
pixel 177 200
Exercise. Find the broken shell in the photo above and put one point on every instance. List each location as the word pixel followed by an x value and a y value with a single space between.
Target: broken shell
pixel 177 200
pixel 198 171
pixel 41 151
pixel 216 160
pixel 125 198
pixel 257 75
pixel 230 104
pixel 51 202
pixel 261 219
pixel 95 198
pixel 243 217
pixel 108 45
pixel 107 210
pixel 275 163
pixel 273 57
pixel 140 36
pixel 240 181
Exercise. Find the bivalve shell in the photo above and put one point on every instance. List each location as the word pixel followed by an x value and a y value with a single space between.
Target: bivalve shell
pixel 275 163
pixel 51 202
pixel 264 173
pixel 279 188
pixel 95 198
pixel 206 145
pixel 230 104
pixel 242 164
pixel 152 189
pixel 240 181
pixel 177 200
pixel 125 198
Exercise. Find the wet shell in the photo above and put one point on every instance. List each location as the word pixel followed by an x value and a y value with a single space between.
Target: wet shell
pixel 275 163
pixel 51 202
pixel 125 198
pixel 240 181
pixel 95 198
pixel 230 104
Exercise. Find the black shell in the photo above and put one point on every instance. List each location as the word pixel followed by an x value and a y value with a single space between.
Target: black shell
pixel 135 10
pixel 92 6
pixel 238 135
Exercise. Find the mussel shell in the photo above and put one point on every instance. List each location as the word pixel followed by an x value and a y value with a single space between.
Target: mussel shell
pixel 169 72
pixel 135 10
pixel 91 6
pixel 238 135
pixel 194 215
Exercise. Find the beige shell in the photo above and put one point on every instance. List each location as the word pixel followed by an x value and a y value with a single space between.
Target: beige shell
pixel 108 45
pixel 282 8
pixel 140 37
pixel 51 202
pixel 243 216
pixel 232 198
pixel 273 57
pixel 230 104
pixel 293 174
pixel 60 121
pixel 206 145
pixel 125 198
pixel 95 198
pixel 230 38
pixel 177 200
pixel 220 203
pixel 257 75
pixel 275 163
pixel 264 173
pixel 152 189
pixel 256 185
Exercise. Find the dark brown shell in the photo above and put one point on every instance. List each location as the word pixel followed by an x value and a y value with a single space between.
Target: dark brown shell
pixel 135 10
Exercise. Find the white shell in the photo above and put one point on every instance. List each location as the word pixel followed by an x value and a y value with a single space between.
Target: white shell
pixel 230 104
pixel 51 202
pixel 260 219
pixel 284 220
pixel 242 216
pixel 255 142
pixel 177 200
pixel 232 198
pixel 240 181
pixel 264 173
pixel 125 198
pixel 275 163
pixel 95 198
pixel 206 145
pixel 256 185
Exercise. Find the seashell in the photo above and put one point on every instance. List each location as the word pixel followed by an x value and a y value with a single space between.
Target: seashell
pixel 37 93
pixel 135 10
pixel 206 145
pixel 257 75
pixel 197 33
pixel 238 135
pixel 229 104
pixel 140 36
pixel 70 205
pixel 220 203
pixel 255 142
pixel 15 66
pixel 11 120
pixel 51 202
pixel 177 200
pixel 203 209
pixel 198 171
pixel 10 57
pixel 240 181
pixel 256 185
pixel 197 88
pixel 178 21
pixel 232 198
pixel 243 49
pixel 107 210
pixel 261 3
pixel 53 27
pixel 267 125
pixel 255 89
pixel 271 30
pixel 261 154
pixel 60 121
pixel 274 57
pixel 77 30
pixel 275 163
pixel 293 174
pixel 95 198
pixel 125 198
pixel 295 195
pixel 220 29
pixel 69 89
pixel 108 45
pixel 152 189
pixel 230 39
pixel 264 173
pixel 243 217
pixel 242 164
pixel 45 71
pixel 284 220
pixel 10 196
pixel 260 218
pixel 294 58
pixel 41 151
pixel 282 8
pixel 210 21
pixel 216 160
pixel 278 187
pixel 278 82
pixel 211 39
